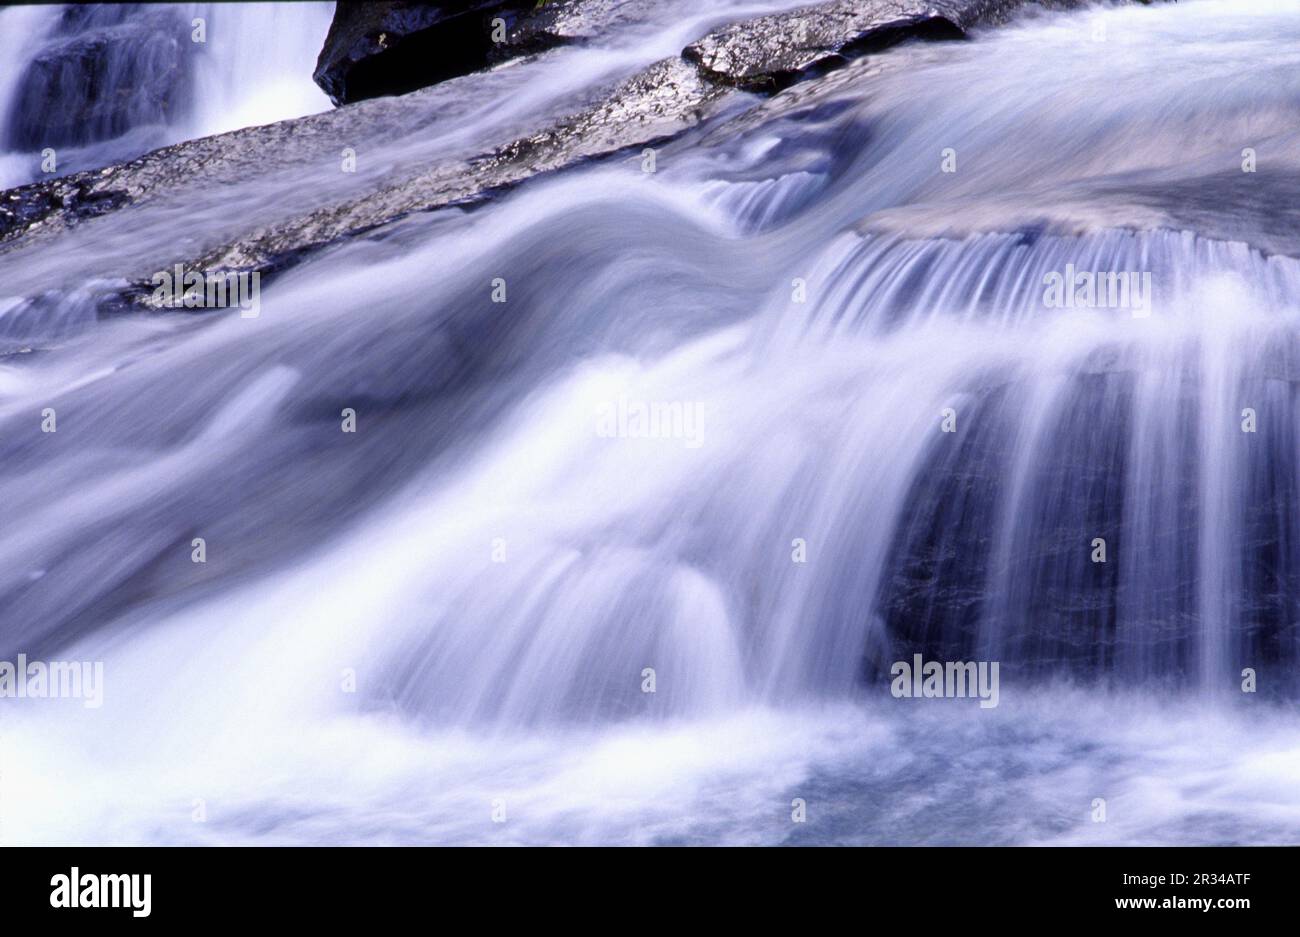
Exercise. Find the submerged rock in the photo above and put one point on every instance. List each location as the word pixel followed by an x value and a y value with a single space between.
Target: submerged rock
pixel 109 69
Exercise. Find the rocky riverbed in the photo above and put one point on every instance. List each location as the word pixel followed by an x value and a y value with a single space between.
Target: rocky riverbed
pixel 728 70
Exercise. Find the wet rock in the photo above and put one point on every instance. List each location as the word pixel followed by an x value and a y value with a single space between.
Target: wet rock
pixel 771 52
pixel 651 107
pixel 1054 605
pixel 658 103
pixel 76 198
pixel 1056 609
pixel 388 48
pixel 377 49
pixel 565 22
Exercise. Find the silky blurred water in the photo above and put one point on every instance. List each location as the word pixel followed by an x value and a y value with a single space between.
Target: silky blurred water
pixel 246 64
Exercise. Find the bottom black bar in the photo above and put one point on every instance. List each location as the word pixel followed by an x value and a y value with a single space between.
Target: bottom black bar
pixel 146 886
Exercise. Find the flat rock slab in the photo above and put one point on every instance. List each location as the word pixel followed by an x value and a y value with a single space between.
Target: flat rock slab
pixel 658 103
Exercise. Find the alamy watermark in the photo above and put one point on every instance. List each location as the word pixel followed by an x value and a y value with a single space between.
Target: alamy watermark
pixel 1084 289
pixel 57 679
pixel 79 889
pixel 922 679
pixel 192 289
pixel 653 419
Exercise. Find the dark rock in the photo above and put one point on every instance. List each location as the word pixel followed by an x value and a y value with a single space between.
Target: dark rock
pixel 378 49
pixel 73 196
pixel 389 48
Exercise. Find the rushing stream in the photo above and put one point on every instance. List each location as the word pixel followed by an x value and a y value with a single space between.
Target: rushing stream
pixel 446 618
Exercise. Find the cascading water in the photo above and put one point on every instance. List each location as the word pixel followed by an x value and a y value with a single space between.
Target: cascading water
pixel 460 604
pixel 105 83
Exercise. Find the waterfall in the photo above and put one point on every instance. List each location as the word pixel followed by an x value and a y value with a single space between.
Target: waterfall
pixel 633 551
pixel 103 83
pixel 257 64
pixel 22 29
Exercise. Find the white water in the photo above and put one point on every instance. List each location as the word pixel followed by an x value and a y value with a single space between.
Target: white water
pixel 22 29
pixel 253 67
pixel 256 65
pixel 520 681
